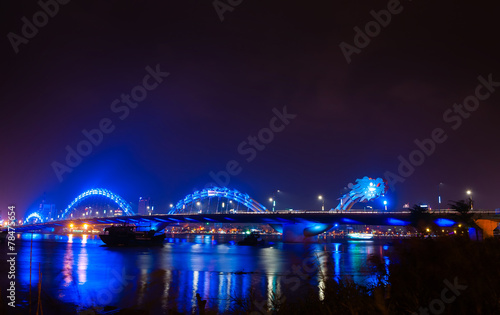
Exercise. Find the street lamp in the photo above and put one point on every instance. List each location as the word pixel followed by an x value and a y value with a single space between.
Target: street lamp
pixel 469 193
pixel 439 196
pixel 273 202
pixel 320 197
pixel 385 204
pixel 273 198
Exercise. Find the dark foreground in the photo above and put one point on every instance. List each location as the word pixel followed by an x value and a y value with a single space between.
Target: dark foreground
pixel 425 276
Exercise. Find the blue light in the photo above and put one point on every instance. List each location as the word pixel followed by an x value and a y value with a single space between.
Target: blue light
pixel 444 222
pixel 231 194
pixel 124 205
pixel 392 221
pixel 346 220
pixel 385 202
pixel 34 215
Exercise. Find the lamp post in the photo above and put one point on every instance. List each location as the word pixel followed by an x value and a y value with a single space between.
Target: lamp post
pixel 439 197
pixel 273 198
pixel 385 204
pixel 469 193
pixel 273 201
pixel 320 197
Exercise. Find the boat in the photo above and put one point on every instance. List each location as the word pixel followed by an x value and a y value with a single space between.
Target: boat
pixel 127 235
pixel 253 239
pixel 360 236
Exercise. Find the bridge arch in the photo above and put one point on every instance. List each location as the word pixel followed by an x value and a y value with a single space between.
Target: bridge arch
pixel 182 206
pixel 122 203
pixel 33 216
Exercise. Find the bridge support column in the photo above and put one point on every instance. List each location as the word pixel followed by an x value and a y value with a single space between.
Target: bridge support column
pixel 303 232
pixel 58 230
pixel 487 226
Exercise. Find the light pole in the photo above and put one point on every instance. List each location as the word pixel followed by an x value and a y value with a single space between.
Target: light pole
pixel 469 193
pixel 273 198
pixel 385 205
pixel 320 197
pixel 439 196
pixel 199 206
pixel 273 201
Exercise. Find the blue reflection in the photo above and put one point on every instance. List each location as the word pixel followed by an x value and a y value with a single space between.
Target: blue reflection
pixel 82 271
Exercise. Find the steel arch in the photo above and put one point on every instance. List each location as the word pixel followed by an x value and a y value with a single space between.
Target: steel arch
pixel 225 192
pixel 124 205
pixel 33 215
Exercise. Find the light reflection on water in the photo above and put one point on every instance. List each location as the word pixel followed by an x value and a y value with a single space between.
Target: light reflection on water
pixel 78 269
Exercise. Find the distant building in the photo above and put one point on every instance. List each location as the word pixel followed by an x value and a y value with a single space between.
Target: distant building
pixel 145 207
pixel 47 211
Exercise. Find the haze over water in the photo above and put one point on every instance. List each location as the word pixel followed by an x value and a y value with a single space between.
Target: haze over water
pixel 78 269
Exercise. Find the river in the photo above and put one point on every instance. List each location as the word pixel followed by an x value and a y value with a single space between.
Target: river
pixel 77 269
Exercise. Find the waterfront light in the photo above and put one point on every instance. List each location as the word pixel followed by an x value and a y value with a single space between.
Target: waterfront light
pixel 85 226
pixel 320 197
pixel 71 225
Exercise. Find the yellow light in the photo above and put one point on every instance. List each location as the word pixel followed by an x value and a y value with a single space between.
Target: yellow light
pixel 71 225
pixel 460 225
pixel 85 226
pixel 428 230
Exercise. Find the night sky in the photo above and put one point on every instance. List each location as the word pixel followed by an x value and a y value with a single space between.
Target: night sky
pixel 227 79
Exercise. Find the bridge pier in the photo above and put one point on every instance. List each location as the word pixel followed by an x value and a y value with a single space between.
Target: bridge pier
pixel 301 232
pixel 487 227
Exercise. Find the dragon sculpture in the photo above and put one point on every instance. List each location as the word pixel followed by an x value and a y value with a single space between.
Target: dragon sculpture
pixel 365 189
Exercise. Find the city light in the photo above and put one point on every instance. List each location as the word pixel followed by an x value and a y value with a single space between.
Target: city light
pixel 85 226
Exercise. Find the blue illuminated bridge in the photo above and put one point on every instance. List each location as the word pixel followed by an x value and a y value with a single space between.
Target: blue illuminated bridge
pixel 223 205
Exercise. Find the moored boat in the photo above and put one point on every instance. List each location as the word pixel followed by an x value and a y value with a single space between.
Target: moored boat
pixel 127 235
pixel 360 236
pixel 253 239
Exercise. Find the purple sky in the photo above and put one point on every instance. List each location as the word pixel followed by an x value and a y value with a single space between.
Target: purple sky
pixel 352 119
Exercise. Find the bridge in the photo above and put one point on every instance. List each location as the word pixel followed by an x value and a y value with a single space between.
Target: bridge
pixel 224 205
